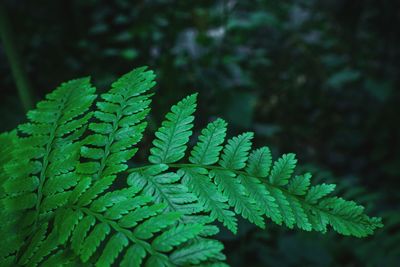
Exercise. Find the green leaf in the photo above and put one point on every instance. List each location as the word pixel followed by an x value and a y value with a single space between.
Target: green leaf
pixel 261 196
pixel 237 196
pixel 283 169
pixel 207 149
pixel 114 246
pixel 54 201
pixel 319 191
pixel 120 114
pixel 132 218
pixel 35 243
pixel 172 136
pixel 259 162
pixel 198 252
pixel 65 223
pixel 299 185
pixel 299 214
pixel 347 218
pixel 15 186
pixel 91 243
pixel 166 188
pixel 133 256
pixel 80 233
pixel 20 202
pixel 97 188
pixel 198 181
pixel 155 224
pixel 176 236
pixel 60 183
pixel 236 152
pixel 283 205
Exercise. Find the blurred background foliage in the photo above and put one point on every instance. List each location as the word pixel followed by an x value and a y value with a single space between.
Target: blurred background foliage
pixel 318 78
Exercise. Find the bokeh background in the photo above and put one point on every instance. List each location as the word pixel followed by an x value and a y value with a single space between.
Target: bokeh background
pixel 317 78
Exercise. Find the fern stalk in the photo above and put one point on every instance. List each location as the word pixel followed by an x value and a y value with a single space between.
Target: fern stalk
pixel 45 161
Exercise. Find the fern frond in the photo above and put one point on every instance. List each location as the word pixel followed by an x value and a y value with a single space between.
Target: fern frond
pixel 174 133
pixel 236 152
pixel 165 187
pixel 249 185
pixel 237 196
pixel 169 146
pixel 100 225
pixel 176 236
pixel 62 202
pixel 213 201
pixel 283 169
pixel 234 157
pixel 317 192
pixel 207 149
pixel 48 151
pixel 259 194
pixel 206 152
pixel 120 125
pixel 168 188
pixel 300 184
pixel 198 252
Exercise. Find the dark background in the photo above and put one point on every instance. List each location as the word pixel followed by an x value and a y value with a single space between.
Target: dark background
pixel 317 78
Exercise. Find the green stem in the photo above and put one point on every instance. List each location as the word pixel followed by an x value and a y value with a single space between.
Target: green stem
pixel 45 163
pixel 18 72
pixel 187 165
pixel 110 140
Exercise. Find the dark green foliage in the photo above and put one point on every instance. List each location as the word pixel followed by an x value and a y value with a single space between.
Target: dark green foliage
pixel 66 198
